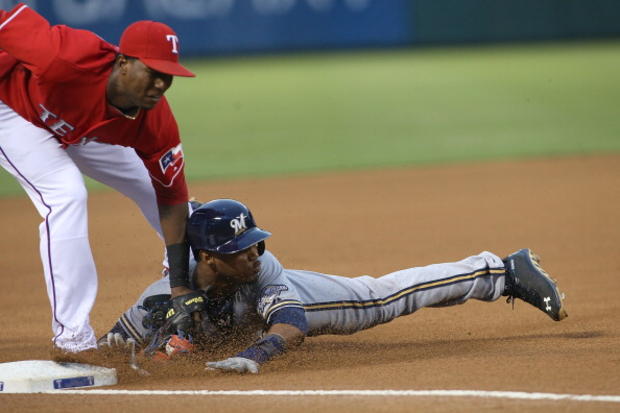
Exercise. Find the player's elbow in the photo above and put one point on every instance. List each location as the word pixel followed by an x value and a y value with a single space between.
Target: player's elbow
pixel 291 324
pixel 296 338
pixel 292 316
pixel 291 334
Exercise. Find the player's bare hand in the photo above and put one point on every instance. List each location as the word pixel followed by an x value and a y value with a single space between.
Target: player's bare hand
pixel 234 364
pixel 116 341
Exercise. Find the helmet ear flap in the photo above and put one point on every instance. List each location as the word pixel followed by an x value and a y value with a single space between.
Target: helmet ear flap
pixel 261 247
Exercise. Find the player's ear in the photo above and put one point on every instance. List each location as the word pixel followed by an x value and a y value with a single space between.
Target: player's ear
pixel 203 256
pixel 121 62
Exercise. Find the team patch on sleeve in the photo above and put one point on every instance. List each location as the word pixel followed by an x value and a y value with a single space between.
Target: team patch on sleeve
pixel 170 163
pixel 172 159
pixel 268 297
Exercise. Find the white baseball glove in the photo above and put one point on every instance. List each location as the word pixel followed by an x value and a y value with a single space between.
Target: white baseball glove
pixel 236 364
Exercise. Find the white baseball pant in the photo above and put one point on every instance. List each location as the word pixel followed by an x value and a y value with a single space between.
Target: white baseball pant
pixel 52 178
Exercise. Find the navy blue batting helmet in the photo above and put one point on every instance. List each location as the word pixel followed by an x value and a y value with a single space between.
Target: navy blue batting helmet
pixel 224 226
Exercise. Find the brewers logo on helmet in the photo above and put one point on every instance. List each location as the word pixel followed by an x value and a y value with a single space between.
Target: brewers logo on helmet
pixel 224 226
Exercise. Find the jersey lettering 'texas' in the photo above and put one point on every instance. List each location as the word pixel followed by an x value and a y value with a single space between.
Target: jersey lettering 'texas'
pixel 55 77
pixel 59 126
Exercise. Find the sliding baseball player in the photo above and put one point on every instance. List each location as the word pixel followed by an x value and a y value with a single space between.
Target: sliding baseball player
pixel 246 290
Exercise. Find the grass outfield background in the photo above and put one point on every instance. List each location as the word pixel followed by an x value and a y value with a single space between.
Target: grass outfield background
pixel 316 112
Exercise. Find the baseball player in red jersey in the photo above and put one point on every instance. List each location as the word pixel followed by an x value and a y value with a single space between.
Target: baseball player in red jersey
pixel 72 103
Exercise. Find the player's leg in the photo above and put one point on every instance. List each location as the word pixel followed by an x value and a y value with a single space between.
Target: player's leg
pixel 120 168
pixel 359 303
pixel 56 188
pixel 483 277
pixel 479 277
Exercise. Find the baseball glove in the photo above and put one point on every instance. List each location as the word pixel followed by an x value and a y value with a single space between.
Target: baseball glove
pixel 156 307
pixel 179 317
pixel 178 323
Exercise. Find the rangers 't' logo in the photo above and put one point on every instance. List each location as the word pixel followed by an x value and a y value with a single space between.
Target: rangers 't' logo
pixel 175 41
pixel 238 224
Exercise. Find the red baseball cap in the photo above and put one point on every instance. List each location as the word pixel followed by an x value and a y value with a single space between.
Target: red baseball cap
pixel 156 45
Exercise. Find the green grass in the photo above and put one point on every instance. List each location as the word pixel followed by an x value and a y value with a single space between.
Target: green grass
pixel 316 112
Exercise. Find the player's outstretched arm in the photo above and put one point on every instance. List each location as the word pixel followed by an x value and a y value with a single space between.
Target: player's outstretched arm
pixel 279 338
pixel 173 221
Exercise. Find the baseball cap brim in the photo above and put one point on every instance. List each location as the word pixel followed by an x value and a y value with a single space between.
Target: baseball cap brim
pixel 244 241
pixel 167 67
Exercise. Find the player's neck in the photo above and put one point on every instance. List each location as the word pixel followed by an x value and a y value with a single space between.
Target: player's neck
pixel 130 113
pixel 119 100
pixel 122 105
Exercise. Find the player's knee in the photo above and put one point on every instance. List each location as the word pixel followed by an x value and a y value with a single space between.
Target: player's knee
pixel 68 206
pixel 76 197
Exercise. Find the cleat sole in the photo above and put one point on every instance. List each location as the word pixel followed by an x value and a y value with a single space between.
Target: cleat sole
pixel 562 314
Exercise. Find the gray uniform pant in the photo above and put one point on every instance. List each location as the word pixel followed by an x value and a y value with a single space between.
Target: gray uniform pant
pixel 342 305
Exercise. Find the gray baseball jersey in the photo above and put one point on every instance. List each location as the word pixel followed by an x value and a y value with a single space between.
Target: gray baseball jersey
pixel 336 304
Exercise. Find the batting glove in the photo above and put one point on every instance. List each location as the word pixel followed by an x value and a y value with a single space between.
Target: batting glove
pixel 236 364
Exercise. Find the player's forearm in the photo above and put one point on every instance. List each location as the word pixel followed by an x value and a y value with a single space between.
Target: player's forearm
pixel 292 336
pixel 173 220
pixel 279 339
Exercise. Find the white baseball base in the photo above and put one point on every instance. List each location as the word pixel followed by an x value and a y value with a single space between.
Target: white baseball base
pixel 37 376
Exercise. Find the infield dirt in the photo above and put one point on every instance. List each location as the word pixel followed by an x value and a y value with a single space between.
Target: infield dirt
pixel 372 222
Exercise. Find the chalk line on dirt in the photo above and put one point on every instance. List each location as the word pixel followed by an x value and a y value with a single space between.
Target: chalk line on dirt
pixel 392 393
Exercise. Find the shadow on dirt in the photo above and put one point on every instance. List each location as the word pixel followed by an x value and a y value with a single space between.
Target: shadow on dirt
pixel 338 354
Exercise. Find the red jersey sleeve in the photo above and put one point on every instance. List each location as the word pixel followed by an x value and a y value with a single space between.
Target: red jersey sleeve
pixel 53 52
pixel 166 169
pixel 29 38
pixel 162 153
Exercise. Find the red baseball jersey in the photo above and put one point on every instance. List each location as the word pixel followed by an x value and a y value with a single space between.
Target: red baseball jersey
pixel 56 78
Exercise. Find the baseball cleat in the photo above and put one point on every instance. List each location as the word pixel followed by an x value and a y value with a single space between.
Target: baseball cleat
pixel 526 280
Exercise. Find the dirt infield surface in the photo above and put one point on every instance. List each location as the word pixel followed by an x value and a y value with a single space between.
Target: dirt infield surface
pixel 372 222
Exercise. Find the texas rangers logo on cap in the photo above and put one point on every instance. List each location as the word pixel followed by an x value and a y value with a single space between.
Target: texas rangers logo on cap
pixel 156 45
pixel 175 41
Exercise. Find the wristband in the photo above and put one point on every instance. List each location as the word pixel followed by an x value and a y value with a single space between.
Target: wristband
pixel 178 262
pixel 264 349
